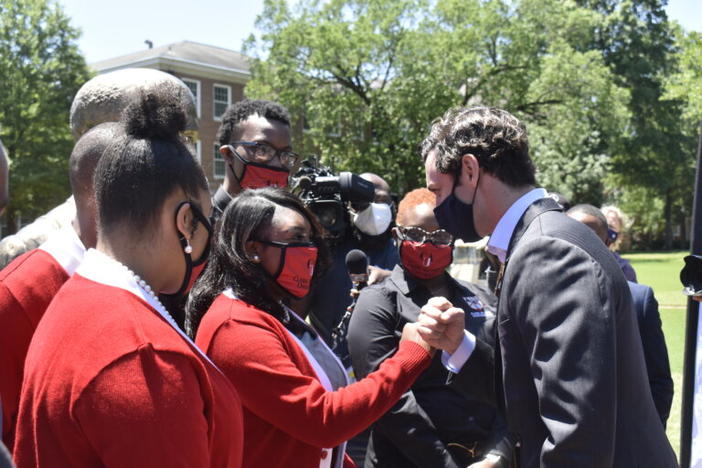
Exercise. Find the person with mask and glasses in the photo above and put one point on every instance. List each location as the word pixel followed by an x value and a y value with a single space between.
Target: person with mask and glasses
pixel 434 424
pixel 110 380
pixel 299 409
pixel 255 143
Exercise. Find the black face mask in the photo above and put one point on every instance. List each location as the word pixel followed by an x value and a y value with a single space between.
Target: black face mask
pixel 193 269
pixel 456 217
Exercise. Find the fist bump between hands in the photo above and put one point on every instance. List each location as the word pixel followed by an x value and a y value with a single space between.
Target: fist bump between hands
pixel 441 324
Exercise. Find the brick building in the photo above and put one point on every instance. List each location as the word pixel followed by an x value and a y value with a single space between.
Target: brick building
pixel 216 77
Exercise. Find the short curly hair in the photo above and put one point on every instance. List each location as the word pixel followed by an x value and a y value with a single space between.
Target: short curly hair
pixel 242 110
pixel 413 199
pixel 494 136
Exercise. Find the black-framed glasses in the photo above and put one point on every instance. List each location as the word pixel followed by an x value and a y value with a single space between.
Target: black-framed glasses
pixel 417 234
pixel 264 153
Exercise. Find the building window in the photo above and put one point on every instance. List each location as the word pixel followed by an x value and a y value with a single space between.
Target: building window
pixel 219 166
pixel 198 151
pixel 222 99
pixel 194 86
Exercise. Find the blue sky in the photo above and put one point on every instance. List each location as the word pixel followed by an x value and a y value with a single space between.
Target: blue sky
pixel 120 27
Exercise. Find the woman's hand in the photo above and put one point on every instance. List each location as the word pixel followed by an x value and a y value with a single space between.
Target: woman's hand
pixel 410 332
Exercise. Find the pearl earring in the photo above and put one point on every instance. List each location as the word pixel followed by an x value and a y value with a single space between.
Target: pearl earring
pixel 256 258
pixel 188 248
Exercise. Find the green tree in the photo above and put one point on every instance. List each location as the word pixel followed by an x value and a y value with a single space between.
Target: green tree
pixel 370 75
pixel 637 43
pixel 686 84
pixel 41 69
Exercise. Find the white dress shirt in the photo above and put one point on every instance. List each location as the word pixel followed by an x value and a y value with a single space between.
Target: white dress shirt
pixel 497 245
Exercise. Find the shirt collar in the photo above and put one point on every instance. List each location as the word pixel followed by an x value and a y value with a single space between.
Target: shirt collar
pixel 501 236
pixel 66 248
pixel 103 269
pixel 221 199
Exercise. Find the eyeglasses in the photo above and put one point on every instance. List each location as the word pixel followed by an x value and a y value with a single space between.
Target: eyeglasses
pixel 417 234
pixel 264 153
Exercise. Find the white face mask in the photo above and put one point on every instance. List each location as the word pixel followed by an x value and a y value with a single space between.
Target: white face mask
pixel 373 220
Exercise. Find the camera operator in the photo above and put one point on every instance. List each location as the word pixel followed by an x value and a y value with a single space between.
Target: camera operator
pixel 369 231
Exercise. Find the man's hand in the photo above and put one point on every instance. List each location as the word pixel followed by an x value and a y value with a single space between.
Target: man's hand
pixel 376 275
pixel 441 324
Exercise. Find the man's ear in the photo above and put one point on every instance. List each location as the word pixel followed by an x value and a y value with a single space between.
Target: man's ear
pixel 469 169
pixel 226 153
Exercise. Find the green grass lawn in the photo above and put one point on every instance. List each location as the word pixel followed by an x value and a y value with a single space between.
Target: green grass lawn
pixel 661 272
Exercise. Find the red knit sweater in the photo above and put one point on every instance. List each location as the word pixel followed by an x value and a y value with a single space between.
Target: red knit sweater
pixel 288 415
pixel 27 286
pixel 108 382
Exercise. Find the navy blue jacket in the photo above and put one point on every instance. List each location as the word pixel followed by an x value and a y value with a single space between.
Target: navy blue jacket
pixel 654 348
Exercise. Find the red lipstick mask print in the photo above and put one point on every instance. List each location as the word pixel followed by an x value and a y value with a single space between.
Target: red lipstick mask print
pixel 425 260
pixel 297 262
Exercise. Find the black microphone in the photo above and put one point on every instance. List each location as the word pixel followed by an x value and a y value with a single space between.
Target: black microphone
pixel 357 266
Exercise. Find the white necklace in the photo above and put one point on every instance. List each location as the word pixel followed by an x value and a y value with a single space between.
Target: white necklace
pixel 147 289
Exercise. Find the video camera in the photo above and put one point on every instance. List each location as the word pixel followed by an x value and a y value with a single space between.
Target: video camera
pixel 327 195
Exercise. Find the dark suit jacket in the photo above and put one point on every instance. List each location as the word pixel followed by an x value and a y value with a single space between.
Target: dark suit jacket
pixel 654 348
pixel 574 378
pixel 420 430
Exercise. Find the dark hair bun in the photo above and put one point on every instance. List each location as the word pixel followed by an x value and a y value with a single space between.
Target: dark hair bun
pixel 155 116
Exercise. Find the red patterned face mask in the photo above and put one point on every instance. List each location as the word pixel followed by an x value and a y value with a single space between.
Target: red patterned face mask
pixel 297 262
pixel 260 175
pixel 425 260
pixel 257 175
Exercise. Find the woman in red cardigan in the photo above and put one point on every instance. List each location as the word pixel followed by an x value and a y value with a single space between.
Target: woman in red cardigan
pixel 109 378
pixel 298 407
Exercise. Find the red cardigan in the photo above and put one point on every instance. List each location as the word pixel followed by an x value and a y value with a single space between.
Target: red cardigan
pixel 288 415
pixel 27 286
pixel 108 382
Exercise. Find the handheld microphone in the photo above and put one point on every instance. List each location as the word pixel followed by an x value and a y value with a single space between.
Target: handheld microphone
pixel 357 266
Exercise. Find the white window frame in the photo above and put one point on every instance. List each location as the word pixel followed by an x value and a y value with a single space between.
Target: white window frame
pixel 198 98
pixel 217 156
pixel 214 107
pixel 198 151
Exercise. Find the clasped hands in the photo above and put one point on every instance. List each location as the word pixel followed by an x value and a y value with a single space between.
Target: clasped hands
pixel 440 325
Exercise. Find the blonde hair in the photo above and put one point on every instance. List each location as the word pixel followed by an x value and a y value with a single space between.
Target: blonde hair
pixel 624 219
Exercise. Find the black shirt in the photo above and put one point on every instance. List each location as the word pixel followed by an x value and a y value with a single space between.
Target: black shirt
pixel 434 424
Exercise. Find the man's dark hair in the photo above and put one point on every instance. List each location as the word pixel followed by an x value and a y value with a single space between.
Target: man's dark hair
pixel 142 168
pixel 248 217
pixel 242 110
pixel 437 132
pixel 601 227
pixel 86 155
pixel 494 136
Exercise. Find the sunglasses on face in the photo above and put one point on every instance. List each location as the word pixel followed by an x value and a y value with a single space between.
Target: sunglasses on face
pixel 417 234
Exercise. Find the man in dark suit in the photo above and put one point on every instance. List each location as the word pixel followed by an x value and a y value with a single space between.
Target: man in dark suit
pixel 649 320
pixel 573 373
